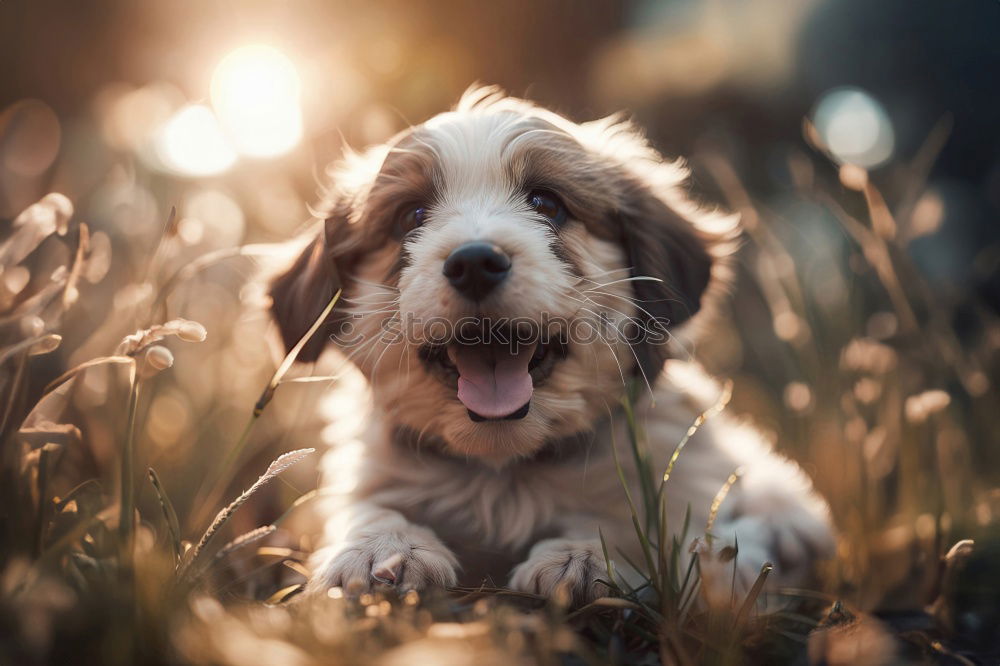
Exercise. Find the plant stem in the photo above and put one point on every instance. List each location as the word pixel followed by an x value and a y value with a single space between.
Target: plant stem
pixel 13 398
pixel 209 497
pixel 43 493
pixel 212 490
pixel 126 521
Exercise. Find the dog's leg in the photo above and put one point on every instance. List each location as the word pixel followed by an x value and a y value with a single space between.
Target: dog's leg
pixel 771 514
pixel 379 545
pixel 573 563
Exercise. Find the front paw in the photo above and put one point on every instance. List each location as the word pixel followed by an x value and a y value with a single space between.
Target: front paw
pixel 792 533
pixel 727 573
pixel 408 559
pixel 560 566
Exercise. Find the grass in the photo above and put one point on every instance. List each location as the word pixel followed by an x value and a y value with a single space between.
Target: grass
pixel 882 399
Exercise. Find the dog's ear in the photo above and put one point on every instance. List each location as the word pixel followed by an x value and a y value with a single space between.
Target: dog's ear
pixel 299 295
pixel 672 261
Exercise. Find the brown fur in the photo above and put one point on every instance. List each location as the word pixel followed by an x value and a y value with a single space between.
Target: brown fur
pixel 633 250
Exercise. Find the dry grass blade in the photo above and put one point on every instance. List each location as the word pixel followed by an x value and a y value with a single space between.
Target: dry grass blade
pixel 297 567
pixel 279 551
pixel 87 486
pixel 641 457
pixel 70 292
pixel 33 225
pixel 36 304
pixel 603 603
pixel 920 166
pixel 244 540
pixel 73 372
pixel 169 229
pixel 203 262
pixel 876 251
pixel 647 552
pixel 274 469
pixel 185 329
pixel 720 497
pixel 314 379
pixel 55 550
pixel 126 521
pixel 284 593
pixel 209 495
pixel 487 591
pixel 758 586
pixel 8 454
pixel 41 519
pixel 47 343
pixel 306 497
pixel 290 357
pixel 609 565
pixel 169 515
pixel 720 404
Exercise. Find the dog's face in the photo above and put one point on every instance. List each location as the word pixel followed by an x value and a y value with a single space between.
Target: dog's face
pixel 505 273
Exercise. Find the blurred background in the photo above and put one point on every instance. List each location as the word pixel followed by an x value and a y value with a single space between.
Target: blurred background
pixel 858 139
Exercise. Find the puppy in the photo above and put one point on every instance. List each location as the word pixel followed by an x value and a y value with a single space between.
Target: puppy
pixel 506 275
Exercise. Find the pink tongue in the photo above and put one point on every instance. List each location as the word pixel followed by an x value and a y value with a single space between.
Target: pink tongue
pixel 492 382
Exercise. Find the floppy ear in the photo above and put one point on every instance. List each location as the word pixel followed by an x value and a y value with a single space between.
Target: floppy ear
pixel 663 245
pixel 299 295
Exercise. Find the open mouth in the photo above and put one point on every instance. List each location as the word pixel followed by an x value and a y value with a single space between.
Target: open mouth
pixel 493 376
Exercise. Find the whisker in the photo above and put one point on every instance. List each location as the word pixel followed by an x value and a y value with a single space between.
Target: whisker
pixel 621 371
pixel 378 285
pixel 635 278
pixel 631 348
pixel 664 329
pixel 590 277
pixel 377 338
pixel 628 300
pixel 363 345
pixel 617 311
pixel 609 271
pixel 379 360
pixel 370 302
pixel 365 313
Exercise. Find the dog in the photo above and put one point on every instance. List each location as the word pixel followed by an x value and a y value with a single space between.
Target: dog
pixel 507 275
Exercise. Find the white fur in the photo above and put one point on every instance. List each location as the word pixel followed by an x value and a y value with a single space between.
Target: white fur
pixel 771 510
pixel 424 513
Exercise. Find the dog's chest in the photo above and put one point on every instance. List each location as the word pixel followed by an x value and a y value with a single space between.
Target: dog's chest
pixel 498 511
pixel 490 520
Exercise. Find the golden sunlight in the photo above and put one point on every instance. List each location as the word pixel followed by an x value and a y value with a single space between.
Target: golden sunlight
pixel 255 93
pixel 192 143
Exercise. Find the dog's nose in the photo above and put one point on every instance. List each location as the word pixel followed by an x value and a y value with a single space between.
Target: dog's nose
pixel 474 269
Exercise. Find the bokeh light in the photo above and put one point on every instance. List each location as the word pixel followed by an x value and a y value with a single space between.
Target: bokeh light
pixel 192 143
pixel 854 127
pixel 255 92
pixel 212 217
pixel 130 116
pixel 31 135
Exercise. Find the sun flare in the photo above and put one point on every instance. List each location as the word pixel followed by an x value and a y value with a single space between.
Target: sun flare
pixel 255 93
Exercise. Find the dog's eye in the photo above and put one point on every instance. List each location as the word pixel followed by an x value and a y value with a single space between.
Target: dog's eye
pixel 411 218
pixel 548 205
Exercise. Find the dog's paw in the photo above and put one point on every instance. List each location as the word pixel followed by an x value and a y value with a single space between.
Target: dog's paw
pixel 560 566
pixel 727 572
pixel 791 534
pixel 409 559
